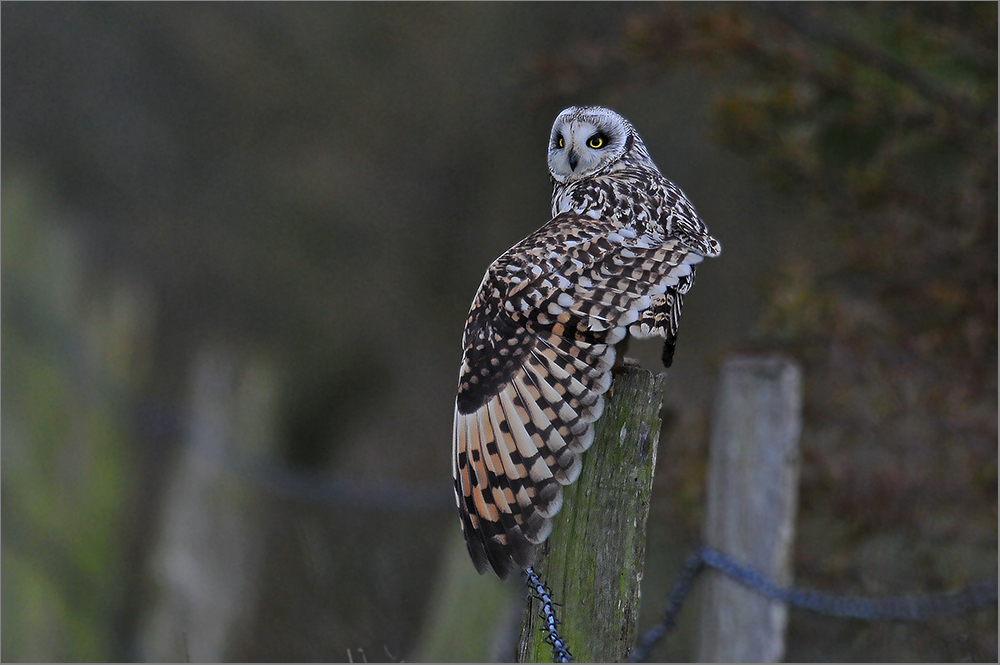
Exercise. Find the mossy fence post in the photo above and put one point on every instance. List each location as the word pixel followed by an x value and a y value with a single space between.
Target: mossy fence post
pixel 592 561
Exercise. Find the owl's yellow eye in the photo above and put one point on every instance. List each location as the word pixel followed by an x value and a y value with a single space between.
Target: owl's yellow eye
pixel 596 141
pixel 560 142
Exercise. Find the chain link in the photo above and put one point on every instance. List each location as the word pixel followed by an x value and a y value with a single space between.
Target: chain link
pixel 906 608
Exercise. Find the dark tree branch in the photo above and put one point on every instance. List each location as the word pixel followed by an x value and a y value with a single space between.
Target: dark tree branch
pixel 871 56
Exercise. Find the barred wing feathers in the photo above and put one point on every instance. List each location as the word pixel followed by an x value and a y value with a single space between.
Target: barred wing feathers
pixel 539 348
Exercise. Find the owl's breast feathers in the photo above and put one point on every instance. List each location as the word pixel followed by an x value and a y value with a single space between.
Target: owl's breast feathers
pixel 538 351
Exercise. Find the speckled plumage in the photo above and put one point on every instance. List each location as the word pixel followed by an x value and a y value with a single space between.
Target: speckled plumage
pixel 616 258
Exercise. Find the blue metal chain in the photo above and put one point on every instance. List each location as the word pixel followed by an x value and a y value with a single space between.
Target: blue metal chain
pixel 692 566
pixel 909 608
pixel 560 650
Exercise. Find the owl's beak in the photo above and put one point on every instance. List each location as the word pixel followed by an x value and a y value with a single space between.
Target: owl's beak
pixel 573 160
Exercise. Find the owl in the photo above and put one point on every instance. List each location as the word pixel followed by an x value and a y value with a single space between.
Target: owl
pixel 615 259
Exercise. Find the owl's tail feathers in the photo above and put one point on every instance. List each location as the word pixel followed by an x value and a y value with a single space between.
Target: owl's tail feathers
pixel 669 344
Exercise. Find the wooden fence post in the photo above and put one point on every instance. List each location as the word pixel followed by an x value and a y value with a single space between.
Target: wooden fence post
pixel 753 480
pixel 206 565
pixel 593 559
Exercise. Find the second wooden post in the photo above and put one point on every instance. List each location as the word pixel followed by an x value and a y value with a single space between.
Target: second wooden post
pixel 753 479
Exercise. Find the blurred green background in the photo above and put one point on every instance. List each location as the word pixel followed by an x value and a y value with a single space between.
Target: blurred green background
pixel 239 242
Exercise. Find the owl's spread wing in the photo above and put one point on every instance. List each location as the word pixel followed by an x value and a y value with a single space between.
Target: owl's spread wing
pixel 539 348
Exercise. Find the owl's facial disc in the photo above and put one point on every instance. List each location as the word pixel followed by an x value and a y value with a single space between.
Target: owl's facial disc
pixel 583 143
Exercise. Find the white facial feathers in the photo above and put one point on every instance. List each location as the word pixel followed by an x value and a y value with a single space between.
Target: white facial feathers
pixel 585 140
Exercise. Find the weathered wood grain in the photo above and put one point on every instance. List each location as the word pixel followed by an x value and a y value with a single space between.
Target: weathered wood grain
pixel 593 560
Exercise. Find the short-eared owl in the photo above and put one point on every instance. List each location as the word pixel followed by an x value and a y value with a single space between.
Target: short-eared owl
pixel 616 258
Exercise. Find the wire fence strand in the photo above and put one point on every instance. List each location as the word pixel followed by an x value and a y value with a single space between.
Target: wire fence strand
pixel 904 608
pixel 541 591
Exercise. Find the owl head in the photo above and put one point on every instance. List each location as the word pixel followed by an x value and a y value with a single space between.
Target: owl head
pixel 589 140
